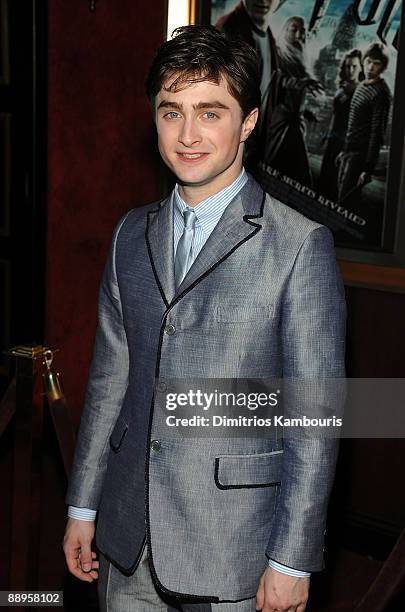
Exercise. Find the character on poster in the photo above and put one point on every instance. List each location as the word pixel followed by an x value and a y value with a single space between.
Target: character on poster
pixel 350 75
pixel 317 152
pixel 285 148
pixel 369 110
pixel 250 20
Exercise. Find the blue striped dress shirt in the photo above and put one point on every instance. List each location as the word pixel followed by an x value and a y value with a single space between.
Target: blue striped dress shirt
pixel 208 213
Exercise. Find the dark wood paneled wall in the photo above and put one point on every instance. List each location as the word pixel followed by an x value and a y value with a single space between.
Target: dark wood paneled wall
pixel 376 333
pixel 374 490
pixel 102 159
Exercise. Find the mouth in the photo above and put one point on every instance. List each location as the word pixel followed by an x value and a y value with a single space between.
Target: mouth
pixel 191 157
pixel 261 10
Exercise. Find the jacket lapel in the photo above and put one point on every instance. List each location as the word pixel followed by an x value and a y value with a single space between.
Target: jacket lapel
pixel 159 239
pixel 238 224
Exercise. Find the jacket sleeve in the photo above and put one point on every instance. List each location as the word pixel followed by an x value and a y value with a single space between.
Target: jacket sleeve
pixel 313 340
pixel 105 392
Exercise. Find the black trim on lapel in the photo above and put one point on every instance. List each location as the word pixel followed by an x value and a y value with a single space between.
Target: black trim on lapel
pixel 230 233
pixel 233 230
pixel 159 241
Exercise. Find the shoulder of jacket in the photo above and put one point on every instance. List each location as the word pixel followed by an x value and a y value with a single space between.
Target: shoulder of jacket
pixel 385 88
pixel 139 213
pixel 232 19
pixel 290 223
pixel 135 219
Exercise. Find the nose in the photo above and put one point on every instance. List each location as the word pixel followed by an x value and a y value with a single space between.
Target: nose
pixel 189 133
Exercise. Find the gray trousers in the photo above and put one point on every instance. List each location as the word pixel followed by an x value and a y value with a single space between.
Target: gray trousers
pixel 137 593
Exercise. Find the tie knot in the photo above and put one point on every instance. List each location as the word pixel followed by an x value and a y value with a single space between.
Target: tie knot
pixel 189 219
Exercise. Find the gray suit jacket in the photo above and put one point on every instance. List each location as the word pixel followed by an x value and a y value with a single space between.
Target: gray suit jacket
pixel 263 299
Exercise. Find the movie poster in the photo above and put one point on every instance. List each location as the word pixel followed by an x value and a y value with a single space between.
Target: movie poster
pixel 328 73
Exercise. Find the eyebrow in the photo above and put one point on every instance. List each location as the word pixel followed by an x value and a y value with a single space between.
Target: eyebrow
pixel 199 106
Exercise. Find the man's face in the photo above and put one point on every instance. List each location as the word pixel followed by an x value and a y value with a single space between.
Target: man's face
pixel 372 68
pixel 259 10
pixel 353 69
pixel 296 33
pixel 200 130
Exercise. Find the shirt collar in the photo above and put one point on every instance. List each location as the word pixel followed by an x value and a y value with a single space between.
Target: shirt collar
pixel 213 205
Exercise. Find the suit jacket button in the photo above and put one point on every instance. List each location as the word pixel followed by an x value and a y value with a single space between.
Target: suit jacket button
pixel 170 329
pixel 155 445
pixel 161 386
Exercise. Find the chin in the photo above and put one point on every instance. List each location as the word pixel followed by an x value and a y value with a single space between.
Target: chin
pixel 188 179
pixel 298 45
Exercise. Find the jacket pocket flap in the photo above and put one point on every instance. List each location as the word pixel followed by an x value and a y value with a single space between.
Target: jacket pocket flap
pixel 241 471
pixel 118 435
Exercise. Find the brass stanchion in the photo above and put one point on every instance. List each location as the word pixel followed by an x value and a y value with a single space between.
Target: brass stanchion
pixel 34 378
pixel 53 389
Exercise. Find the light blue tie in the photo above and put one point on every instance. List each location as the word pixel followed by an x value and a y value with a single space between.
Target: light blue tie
pixel 183 261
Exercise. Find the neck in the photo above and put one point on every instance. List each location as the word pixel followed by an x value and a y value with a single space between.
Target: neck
pixel 372 81
pixel 260 26
pixel 194 194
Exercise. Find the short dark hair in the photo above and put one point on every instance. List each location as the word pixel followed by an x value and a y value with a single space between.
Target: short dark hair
pixel 203 53
pixel 377 51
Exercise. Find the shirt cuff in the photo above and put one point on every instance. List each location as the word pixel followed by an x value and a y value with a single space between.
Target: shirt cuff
pixel 290 571
pixel 83 514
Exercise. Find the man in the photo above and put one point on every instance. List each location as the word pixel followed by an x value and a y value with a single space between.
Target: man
pixel 350 75
pixel 217 281
pixel 286 149
pixel 250 20
pixel 368 117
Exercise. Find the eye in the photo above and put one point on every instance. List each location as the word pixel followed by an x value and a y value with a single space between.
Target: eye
pixel 210 115
pixel 171 115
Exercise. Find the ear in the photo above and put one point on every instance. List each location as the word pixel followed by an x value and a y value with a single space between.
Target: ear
pixel 248 124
